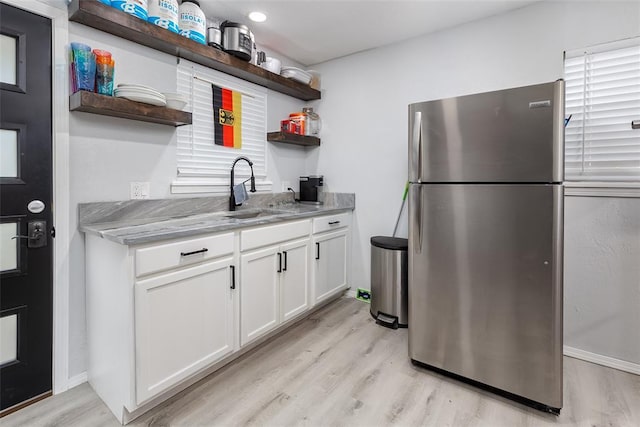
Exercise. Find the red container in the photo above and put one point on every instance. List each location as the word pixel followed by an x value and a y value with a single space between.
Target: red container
pixel 291 126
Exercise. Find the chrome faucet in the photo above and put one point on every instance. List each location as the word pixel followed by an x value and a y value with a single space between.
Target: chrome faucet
pixel 232 196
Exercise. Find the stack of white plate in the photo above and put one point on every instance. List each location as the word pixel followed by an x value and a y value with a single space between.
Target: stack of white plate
pixel 140 93
pixel 296 74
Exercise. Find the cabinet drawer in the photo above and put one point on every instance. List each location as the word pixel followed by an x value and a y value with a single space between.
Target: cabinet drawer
pixel 331 222
pixel 273 234
pixel 183 252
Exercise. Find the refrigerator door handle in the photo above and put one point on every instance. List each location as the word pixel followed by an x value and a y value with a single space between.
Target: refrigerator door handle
pixel 558 131
pixel 416 217
pixel 416 149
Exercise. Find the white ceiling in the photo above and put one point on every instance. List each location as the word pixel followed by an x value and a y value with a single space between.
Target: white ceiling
pixel 314 31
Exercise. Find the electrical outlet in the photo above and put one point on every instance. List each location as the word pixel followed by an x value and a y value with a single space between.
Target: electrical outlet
pixel 140 190
pixel 285 185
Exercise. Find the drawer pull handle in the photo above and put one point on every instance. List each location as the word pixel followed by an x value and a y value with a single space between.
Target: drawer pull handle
pixel 279 262
pixel 317 250
pixel 201 251
pixel 285 261
pixel 233 276
pixel 334 222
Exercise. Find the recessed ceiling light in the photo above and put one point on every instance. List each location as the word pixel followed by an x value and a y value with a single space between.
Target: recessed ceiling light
pixel 257 16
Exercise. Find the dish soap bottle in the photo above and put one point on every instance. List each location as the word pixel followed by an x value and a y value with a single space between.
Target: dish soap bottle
pixel 314 124
pixel 193 23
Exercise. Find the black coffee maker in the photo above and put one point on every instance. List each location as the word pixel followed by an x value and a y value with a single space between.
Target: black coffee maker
pixel 311 189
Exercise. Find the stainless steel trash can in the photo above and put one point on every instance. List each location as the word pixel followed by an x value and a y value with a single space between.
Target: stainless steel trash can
pixel 389 272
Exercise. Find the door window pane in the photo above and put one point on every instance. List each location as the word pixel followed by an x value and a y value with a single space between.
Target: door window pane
pixel 8 153
pixel 8 338
pixel 8 59
pixel 8 246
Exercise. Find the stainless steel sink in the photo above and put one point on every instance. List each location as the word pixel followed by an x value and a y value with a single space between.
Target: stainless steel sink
pixel 253 213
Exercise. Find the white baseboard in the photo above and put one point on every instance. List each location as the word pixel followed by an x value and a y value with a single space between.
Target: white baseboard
pixel 610 362
pixel 77 380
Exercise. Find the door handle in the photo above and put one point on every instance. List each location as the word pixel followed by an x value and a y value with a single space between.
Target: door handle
pixel 415 216
pixel 232 268
pixel 36 235
pixel 285 260
pixel 279 262
pixel 415 154
pixel 317 250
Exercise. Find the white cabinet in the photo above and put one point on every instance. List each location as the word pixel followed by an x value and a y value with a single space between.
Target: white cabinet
pixel 157 314
pixel 330 264
pixel 160 314
pixel 274 277
pixel 331 246
pixel 184 322
pixel 294 279
pixel 258 293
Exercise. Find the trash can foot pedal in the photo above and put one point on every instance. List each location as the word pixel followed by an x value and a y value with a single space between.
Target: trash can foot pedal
pixel 387 321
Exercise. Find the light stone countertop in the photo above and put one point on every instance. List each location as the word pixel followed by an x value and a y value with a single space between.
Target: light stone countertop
pixel 110 221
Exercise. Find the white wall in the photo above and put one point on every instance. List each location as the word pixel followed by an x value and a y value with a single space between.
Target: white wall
pixel 364 148
pixel 107 153
pixel 602 285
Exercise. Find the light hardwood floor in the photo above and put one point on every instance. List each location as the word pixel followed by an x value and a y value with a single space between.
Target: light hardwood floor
pixel 338 368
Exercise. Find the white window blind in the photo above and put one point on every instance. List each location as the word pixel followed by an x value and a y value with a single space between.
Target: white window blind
pixel 603 97
pixel 204 166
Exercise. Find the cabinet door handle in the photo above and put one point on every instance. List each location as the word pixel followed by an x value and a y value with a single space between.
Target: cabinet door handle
pixel 233 276
pixel 285 261
pixel 279 262
pixel 317 250
pixel 334 222
pixel 201 251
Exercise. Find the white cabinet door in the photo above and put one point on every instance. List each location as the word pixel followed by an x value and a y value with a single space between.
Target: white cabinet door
pixel 259 299
pixel 184 322
pixel 330 268
pixel 294 280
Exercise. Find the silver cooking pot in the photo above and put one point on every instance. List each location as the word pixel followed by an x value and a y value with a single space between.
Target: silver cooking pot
pixel 214 37
pixel 236 40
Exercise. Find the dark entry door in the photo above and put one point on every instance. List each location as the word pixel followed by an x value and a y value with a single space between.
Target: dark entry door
pixel 25 207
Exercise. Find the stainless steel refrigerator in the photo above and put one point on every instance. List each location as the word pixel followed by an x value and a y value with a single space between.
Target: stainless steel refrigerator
pixel 486 240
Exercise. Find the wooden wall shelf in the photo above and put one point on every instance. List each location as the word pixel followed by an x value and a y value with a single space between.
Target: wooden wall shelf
pixel 90 102
pixel 110 20
pixel 292 138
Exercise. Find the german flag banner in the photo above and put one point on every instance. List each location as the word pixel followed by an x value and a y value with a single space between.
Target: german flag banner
pixel 227 117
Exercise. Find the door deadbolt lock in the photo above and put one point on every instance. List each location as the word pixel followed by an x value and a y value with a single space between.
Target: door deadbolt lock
pixel 36 234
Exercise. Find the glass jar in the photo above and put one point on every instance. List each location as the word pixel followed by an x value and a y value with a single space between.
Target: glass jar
pixel 314 124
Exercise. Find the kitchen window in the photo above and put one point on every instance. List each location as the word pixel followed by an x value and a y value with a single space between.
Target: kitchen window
pixel 203 166
pixel 603 99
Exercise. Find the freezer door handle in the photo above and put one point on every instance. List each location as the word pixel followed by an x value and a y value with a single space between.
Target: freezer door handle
pixel 415 216
pixel 558 131
pixel 415 153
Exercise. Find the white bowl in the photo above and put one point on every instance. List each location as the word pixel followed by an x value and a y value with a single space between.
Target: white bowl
pixel 179 96
pixel 177 101
pixel 272 65
pixel 176 104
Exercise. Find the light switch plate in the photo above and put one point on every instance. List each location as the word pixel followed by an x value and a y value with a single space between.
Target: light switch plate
pixel 140 190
